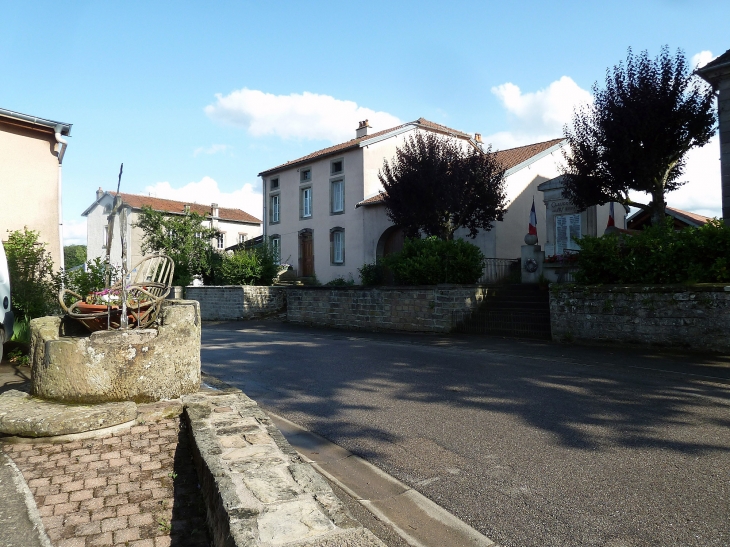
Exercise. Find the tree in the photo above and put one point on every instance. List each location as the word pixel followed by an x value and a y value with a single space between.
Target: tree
pixel 438 184
pixel 183 238
pixel 74 255
pixel 31 274
pixel 637 132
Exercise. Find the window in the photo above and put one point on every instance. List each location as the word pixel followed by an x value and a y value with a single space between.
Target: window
pixel 242 238
pixel 220 241
pixel 337 245
pixel 337 166
pixel 274 213
pixel 305 175
pixel 306 202
pixel 106 237
pixel 273 184
pixel 276 248
pixel 337 195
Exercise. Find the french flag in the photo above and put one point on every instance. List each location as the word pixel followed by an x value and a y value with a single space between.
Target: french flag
pixel 611 221
pixel 533 220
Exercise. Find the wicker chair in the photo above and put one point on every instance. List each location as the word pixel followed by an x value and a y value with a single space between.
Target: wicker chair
pixel 150 283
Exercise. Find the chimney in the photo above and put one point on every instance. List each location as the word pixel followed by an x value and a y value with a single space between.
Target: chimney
pixel 214 210
pixel 362 129
pixel 478 137
pixel 186 207
pixel 99 193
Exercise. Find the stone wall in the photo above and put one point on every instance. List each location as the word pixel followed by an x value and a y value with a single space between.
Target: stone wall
pixel 424 309
pixel 235 302
pixel 695 317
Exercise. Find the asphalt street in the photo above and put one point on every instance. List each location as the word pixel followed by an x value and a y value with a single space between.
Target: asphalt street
pixel 532 444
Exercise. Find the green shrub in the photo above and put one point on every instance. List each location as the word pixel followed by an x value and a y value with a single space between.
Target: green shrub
pixel 656 255
pixel 31 274
pixel 372 274
pixel 21 331
pixel 341 282
pixel 432 260
pixel 247 267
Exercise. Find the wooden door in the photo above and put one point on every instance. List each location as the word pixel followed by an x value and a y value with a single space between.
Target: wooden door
pixel 306 254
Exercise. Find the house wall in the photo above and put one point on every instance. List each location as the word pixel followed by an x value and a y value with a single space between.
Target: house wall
pixel 29 172
pixel 419 309
pixel 695 317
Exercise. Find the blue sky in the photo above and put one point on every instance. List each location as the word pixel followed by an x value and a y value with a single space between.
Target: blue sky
pixel 197 98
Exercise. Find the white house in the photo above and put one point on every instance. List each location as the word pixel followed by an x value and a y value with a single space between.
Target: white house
pixel 31 156
pixel 235 225
pixel 324 211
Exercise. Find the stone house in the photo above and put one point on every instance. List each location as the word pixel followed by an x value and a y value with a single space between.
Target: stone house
pixel 235 225
pixel 324 211
pixel 31 156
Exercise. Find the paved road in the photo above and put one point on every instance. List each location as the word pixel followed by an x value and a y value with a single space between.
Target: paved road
pixel 532 444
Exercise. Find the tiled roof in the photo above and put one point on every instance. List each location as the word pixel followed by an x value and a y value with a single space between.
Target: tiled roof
pixel 698 219
pixel 508 158
pixel 355 143
pixel 514 156
pixel 171 206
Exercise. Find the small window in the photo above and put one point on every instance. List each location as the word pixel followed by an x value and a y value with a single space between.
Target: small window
pixel 107 209
pixel 220 241
pixel 242 238
pixel 306 202
pixel 106 237
pixel 338 196
pixel 275 209
pixel 336 167
pixel 273 184
pixel 337 242
pixel 276 248
pixel 305 175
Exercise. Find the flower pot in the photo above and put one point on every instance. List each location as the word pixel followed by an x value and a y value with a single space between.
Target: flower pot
pixel 112 319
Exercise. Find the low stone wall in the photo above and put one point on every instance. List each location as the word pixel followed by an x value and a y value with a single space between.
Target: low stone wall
pixel 235 302
pixel 421 309
pixel 695 317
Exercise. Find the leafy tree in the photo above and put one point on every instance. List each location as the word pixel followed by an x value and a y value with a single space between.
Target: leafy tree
pixel 31 274
pixel 73 255
pixel 183 238
pixel 438 184
pixel 637 132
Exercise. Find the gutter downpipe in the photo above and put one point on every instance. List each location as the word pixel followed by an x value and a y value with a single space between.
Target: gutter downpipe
pixel 62 145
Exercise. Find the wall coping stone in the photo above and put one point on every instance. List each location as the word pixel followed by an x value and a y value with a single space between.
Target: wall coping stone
pixel 640 288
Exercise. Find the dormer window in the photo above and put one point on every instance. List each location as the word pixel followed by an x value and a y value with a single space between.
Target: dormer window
pixel 305 175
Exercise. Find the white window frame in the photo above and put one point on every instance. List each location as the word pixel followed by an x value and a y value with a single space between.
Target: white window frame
pixel 242 237
pixel 338 246
pixel 335 207
pixel 306 202
pixel 106 237
pixel 220 241
pixel 276 247
pixel 275 209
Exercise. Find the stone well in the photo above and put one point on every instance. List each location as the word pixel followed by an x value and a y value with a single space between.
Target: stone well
pixel 141 365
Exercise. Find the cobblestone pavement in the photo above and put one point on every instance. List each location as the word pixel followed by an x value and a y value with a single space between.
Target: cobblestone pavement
pixel 136 487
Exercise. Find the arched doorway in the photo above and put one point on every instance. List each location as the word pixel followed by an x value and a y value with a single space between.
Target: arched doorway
pixel 391 241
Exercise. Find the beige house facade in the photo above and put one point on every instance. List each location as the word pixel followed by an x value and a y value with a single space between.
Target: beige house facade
pixel 324 211
pixel 31 158
pixel 235 225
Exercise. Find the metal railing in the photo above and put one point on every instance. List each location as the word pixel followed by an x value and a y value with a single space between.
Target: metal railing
pixel 499 269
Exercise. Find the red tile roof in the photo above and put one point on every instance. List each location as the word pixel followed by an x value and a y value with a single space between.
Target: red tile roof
pixel 508 158
pixel 171 206
pixel 699 219
pixel 355 143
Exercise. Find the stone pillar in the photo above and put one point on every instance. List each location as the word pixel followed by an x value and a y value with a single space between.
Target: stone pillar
pixel 532 258
pixel 717 73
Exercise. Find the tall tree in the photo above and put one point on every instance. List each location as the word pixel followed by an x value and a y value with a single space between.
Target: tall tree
pixel 438 184
pixel 183 238
pixel 74 255
pixel 637 132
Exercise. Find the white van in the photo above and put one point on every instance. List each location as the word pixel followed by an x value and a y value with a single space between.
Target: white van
pixel 6 314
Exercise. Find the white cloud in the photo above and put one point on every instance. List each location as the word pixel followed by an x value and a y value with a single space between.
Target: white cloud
pixel 74 232
pixel 702 193
pixel 206 191
pixel 212 149
pixel 539 115
pixel 295 116
pixel 700 59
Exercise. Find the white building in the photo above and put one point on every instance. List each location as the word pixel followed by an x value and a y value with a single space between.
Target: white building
pixel 236 225
pixel 324 211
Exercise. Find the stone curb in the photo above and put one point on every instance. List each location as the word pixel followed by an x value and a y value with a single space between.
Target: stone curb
pixel 257 489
